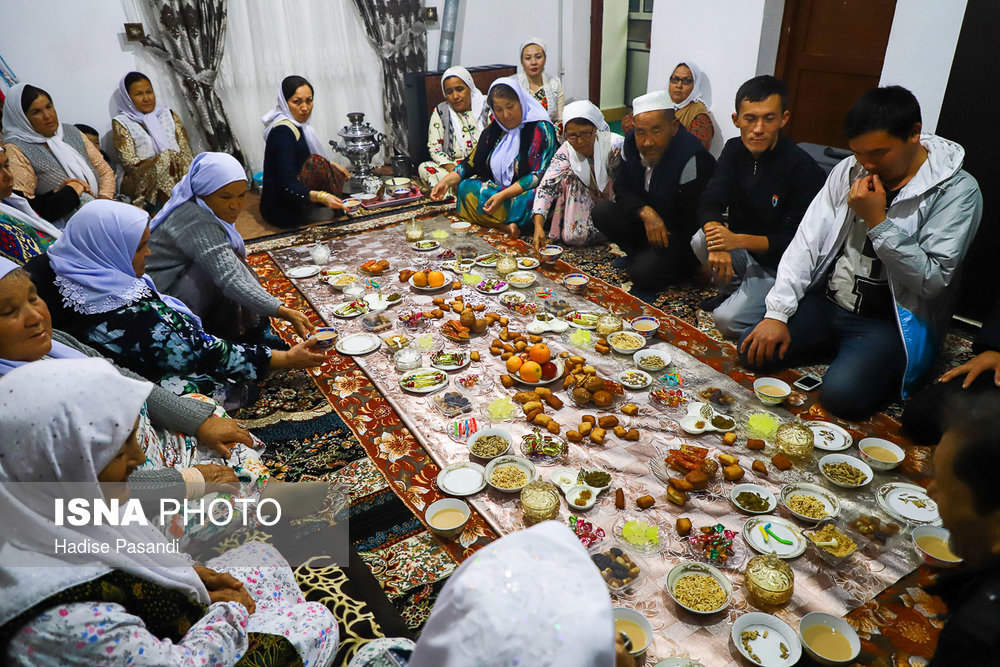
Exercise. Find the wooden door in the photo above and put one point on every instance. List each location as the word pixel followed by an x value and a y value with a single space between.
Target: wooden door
pixel 830 53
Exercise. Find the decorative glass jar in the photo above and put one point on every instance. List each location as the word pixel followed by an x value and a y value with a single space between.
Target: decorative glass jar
pixel 794 440
pixel 769 580
pixel 608 324
pixel 506 264
pixel 414 230
pixel 540 501
pixel 320 253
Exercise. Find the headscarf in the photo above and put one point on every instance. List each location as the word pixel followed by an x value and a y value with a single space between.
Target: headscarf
pixel 58 351
pixel 531 598
pixel 478 99
pixel 280 113
pixel 17 126
pixel 93 260
pixel 64 421
pixel 549 84
pixel 208 173
pixel 151 121
pixel 687 108
pixel 18 208
pixel 506 150
pixel 586 110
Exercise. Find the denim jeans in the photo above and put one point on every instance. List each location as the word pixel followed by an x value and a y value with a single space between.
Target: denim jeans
pixel 869 358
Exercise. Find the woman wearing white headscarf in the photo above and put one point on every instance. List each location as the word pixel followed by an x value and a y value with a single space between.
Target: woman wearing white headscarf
pixel 687 91
pixel 299 178
pixel 533 597
pixel 531 75
pixel 579 176
pixel 53 165
pixel 455 125
pixel 497 181
pixel 151 141
pixel 200 258
pixel 94 281
pixel 75 421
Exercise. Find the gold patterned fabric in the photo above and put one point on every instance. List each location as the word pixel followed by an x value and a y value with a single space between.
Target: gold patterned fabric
pixel 149 182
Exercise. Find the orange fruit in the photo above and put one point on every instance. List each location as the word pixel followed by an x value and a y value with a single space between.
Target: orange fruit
pixel 540 353
pixel 420 279
pixel 514 363
pixel 531 371
pixel 435 279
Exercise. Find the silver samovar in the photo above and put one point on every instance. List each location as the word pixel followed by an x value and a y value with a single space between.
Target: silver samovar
pixel 361 142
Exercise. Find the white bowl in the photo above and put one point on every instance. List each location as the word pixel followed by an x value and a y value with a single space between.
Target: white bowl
pixel 767 649
pixel 687 568
pixel 573 491
pixel 851 461
pixel 762 491
pixel 639 339
pixel 576 282
pixel 551 254
pixel 646 333
pixel 767 399
pixel 332 280
pixel 829 500
pixel 521 279
pixel 879 464
pixel 639 356
pixel 447 503
pixel 490 431
pixel 640 620
pixel 524 464
pixel 838 624
pixel 460 227
pixel 932 531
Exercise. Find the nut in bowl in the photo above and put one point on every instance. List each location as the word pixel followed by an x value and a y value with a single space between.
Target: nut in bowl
pixel 771 391
pixel 931 542
pixel 341 280
pixel 489 443
pixel 551 253
pixel 510 474
pixel 699 588
pixel 845 471
pixel 829 639
pixel 447 517
pixel 521 279
pixel 881 454
pixel 576 282
pixel 645 325
pixel 626 342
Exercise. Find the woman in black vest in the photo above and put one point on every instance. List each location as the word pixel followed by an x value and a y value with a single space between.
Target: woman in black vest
pixel 496 183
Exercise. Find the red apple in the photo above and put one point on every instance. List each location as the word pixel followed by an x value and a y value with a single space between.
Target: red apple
pixel 549 370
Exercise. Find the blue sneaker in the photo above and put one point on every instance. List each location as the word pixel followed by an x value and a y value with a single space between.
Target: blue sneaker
pixel 622 263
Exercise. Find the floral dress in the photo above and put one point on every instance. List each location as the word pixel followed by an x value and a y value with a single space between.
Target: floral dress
pixel 150 338
pixel 100 631
pixel 149 176
pixel 573 200
pixel 432 171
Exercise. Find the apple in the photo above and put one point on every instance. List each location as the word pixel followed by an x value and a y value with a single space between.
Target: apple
pixel 549 370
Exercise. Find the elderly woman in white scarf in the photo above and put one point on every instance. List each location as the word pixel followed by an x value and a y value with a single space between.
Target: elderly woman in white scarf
pixel 151 141
pixel 54 167
pixel 198 256
pixel 455 125
pixel 687 90
pixel 533 597
pixel 75 422
pixel 547 90
pixel 578 176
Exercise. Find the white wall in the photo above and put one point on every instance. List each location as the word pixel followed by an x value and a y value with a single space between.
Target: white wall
pixel 490 33
pixel 920 51
pixel 723 37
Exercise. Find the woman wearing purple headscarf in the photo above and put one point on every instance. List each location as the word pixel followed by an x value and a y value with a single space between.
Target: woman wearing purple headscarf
pixel 496 183
pixel 199 257
pixel 151 141
pixel 94 281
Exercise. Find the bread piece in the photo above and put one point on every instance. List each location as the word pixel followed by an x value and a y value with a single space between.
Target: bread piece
pixel 541 420
pixel 503 321
pixel 619 499
pixel 755 444
pixel 729 439
pixel 568 382
pixel 533 405
pixel 645 502
pixel 553 401
pixel 584 428
pixel 474 355
pixel 525 397
pixel 542 391
pixel 504 356
pixel 630 409
pixel 590 419
pixel 507 381
pixel 620 431
pixel 697 479
pixel 632 435
pixel 683 526
pixel 709 467
pixel 534 338
pixel 520 346
pixel 728 459
pixel 676 496
pixel 573 436
pixel 553 427
pixel 759 468
pixel 531 414
pixel 733 473
pixel 603 349
pixel 680 484
pixel 781 461
pixel 607 421
pixel 597 435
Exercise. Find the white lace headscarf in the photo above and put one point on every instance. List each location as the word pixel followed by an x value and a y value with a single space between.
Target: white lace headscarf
pixel 531 598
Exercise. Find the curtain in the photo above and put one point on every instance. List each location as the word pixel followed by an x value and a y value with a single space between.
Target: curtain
pixel 400 37
pixel 323 41
pixel 192 34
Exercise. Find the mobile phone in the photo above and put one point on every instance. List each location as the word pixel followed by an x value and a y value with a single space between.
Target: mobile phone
pixel 808 382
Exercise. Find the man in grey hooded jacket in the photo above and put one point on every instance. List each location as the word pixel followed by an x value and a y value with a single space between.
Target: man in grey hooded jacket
pixel 869 274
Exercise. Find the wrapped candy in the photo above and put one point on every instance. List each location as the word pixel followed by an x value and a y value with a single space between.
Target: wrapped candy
pixel 715 542
pixel 585 531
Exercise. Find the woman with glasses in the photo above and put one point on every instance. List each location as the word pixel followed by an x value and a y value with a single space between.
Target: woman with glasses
pixel 686 91
pixel 578 176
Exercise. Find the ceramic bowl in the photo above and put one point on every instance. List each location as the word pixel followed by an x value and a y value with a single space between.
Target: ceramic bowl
pixel 576 282
pixel 768 399
pixel 447 503
pixel 551 254
pixel 351 204
pixel 680 571
pixel 645 325
pixel 460 227
pixel 879 464
pixel 838 624
pixel 481 433
pixel 325 338
pixel 932 531
pixel 638 652
pixel 849 460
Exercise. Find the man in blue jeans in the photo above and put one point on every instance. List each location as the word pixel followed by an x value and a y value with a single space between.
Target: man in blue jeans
pixel 869 273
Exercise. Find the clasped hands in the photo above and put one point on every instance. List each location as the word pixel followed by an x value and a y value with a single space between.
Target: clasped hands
pixel 224 587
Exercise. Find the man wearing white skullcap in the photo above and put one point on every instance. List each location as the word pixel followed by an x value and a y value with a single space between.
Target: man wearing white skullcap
pixel 663 171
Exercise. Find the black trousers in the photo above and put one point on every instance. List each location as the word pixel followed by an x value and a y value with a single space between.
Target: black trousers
pixel 651 268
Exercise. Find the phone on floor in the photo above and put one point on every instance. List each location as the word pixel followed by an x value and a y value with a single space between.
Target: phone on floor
pixel 808 382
